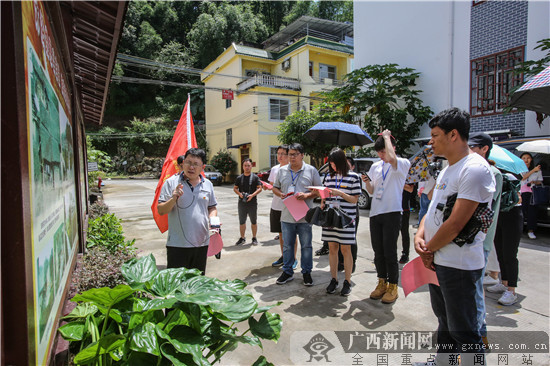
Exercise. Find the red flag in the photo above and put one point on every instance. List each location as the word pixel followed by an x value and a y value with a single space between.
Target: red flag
pixel 184 139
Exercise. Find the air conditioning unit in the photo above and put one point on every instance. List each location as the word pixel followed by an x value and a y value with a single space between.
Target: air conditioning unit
pixel 286 64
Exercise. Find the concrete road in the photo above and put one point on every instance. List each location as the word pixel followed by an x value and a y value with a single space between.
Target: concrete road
pixel 309 314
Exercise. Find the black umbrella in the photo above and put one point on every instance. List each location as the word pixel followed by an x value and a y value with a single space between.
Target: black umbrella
pixel 339 134
pixel 535 94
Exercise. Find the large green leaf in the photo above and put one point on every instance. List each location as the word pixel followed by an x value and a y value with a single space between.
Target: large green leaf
pixel 185 340
pixel 173 317
pixel 268 327
pixel 169 280
pixel 138 271
pixel 144 339
pixel 105 296
pixel 227 300
pixel 177 358
pixel 262 361
pixel 238 309
pixel 105 345
pixel 73 331
pixel 81 311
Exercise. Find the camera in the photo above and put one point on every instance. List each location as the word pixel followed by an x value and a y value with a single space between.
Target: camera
pixel 245 197
pixel 435 167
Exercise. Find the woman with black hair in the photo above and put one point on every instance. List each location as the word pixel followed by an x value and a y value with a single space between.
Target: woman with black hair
pixel 345 188
pixel 532 177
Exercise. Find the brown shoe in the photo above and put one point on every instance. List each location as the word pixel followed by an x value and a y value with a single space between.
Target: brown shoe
pixel 391 294
pixel 380 289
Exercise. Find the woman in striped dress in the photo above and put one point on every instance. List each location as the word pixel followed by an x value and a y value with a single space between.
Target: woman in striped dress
pixel 345 187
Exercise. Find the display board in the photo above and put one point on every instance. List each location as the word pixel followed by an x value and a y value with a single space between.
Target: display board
pixel 52 179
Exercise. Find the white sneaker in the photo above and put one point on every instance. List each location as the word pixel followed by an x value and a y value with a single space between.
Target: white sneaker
pixel 508 298
pixel 488 280
pixel 497 289
pixel 531 235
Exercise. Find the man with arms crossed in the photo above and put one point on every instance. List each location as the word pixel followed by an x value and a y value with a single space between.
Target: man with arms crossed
pixel 293 179
pixel 458 268
pixel 189 201
pixel 247 187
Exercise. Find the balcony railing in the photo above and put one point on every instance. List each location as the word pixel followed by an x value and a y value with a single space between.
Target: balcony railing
pixel 269 81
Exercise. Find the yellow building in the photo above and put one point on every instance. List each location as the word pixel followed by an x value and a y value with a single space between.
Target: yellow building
pixel 308 56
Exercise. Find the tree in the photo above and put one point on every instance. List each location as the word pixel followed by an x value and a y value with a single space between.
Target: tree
pixel 216 30
pixel 293 128
pixel 382 97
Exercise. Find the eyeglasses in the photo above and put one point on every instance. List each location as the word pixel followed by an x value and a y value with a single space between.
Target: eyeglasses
pixel 293 155
pixel 194 165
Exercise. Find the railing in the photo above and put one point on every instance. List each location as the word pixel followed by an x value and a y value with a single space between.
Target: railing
pixel 269 81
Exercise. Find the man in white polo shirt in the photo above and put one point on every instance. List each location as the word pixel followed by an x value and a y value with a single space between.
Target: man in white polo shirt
pixel 189 201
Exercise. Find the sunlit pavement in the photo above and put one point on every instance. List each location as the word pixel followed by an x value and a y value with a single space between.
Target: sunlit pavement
pixel 308 311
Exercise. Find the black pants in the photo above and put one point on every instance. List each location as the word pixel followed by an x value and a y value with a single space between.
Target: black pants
pixel 507 237
pixel 187 257
pixel 384 232
pixel 529 211
pixel 405 236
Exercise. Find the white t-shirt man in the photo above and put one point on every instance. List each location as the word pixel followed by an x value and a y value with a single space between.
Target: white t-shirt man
pixel 392 180
pixel 472 178
pixel 277 203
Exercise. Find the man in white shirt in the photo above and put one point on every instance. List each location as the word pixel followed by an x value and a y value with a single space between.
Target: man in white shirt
pixel 385 181
pixel 458 268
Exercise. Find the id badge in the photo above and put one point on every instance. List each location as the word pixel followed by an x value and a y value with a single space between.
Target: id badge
pixel 335 204
pixel 379 192
pixel 291 189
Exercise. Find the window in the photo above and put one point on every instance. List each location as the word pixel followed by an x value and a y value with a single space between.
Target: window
pixel 492 78
pixel 327 72
pixel 227 103
pixel 229 137
pixel 279 109
pixel 310 68
pixel 273 155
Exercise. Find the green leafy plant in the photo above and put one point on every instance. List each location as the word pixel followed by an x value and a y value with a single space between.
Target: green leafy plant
pixel 383 97
pixel 106 231
pixel 293 129
pixel 102 159
pixel 223 161
pixel 171 317
pixel 101 267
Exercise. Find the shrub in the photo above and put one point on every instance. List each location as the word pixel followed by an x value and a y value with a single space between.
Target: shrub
pixel 106 231
pixel 100 267
pixel 98 209
pixel 223 161
pixel 174 316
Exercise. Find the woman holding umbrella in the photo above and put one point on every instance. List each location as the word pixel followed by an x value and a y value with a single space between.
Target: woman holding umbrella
pixel 345 188
pixel 532 177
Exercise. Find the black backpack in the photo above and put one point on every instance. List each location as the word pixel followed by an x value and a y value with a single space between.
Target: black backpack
pixel 510 193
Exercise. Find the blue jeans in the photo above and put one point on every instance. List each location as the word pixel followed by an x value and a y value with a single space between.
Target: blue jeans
pixel 424 203
pixel 454 304
pixel 480 299
pixel 304 232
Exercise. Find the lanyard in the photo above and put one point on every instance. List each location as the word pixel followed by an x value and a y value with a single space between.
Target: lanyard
pixel 384 175
pixel 337 183
pixel 294 177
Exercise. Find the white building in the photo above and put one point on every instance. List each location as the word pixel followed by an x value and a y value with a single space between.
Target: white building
pixel 455 46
